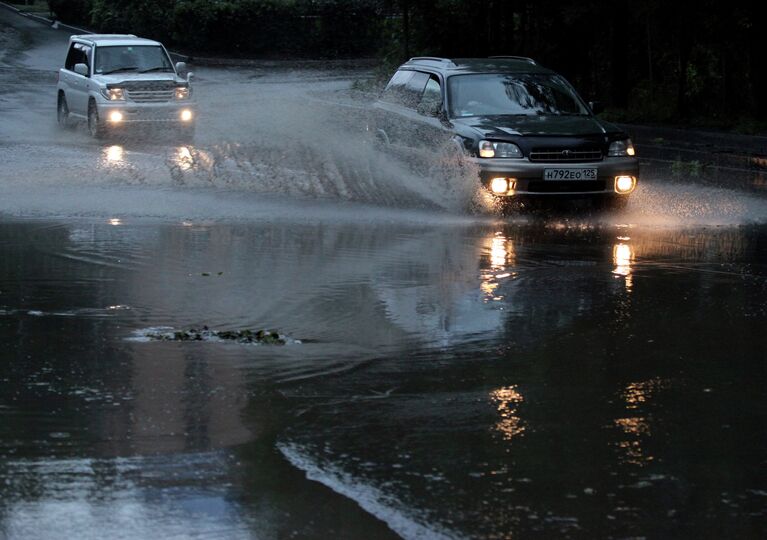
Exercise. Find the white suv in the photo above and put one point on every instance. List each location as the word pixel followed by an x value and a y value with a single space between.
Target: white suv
pixel 114 81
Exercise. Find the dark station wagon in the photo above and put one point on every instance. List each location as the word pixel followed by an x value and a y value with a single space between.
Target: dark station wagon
pixel 524 126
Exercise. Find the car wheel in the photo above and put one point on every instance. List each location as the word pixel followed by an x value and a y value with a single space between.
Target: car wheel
pixel 95 126
pixel 62 112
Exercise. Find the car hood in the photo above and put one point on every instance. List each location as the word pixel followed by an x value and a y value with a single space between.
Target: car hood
pixel 125 78
pixel 502 126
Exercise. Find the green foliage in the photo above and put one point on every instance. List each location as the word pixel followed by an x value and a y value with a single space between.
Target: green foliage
pixel 681 168
pixel 651 61
pixel 316 28
pixel 71 11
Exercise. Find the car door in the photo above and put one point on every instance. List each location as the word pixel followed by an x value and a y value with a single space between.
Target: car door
pixel 431 131
pixel 76 85
pixel 396 108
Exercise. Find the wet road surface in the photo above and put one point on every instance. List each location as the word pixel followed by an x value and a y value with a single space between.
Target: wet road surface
pixel 459 375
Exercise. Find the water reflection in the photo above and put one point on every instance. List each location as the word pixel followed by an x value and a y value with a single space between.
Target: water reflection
pixel 623 258
pixel 638 393
pixel 500 254
pixel 183 158
pixel 113 155
pixel 636 429
pixel 507 400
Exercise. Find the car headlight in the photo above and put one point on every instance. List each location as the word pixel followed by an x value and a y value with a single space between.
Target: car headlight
pixel 621 148
pixel 492 149
pixel 182 92
pixel 113 94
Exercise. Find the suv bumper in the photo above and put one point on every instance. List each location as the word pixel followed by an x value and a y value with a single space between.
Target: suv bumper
pixel 529 177
pixel 149 113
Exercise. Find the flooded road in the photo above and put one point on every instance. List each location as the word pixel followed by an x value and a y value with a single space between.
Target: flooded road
pixel 458 375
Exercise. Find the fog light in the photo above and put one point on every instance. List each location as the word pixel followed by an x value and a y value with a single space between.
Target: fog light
pixel 499 185
pixel 186 115
pixel 625 184
pixel 115 116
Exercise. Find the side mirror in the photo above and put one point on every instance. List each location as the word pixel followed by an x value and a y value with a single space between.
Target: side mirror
pixel 596 107
pixel 81 69
pixel 181 68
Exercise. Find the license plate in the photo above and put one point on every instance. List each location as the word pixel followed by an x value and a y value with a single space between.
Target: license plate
pixel 570 174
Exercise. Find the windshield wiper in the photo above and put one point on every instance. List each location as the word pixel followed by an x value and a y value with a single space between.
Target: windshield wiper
pixel 158 68
pixel 132 68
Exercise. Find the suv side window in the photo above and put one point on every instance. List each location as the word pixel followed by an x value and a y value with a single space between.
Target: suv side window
pixel 414 89
pixel 78 54
pixel 396 87
pixel 432 95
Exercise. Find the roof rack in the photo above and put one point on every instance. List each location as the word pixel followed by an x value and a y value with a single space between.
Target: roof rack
pixel 431 59
pixel 521 58
pixel 91 37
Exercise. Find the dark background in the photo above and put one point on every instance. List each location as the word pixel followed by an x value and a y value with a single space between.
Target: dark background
pixel 674 62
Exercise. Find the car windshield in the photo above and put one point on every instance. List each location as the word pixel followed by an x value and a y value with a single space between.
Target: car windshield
pixel 141 58
pixel 513 94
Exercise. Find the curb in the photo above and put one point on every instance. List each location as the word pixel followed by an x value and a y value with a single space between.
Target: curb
pixel 45 20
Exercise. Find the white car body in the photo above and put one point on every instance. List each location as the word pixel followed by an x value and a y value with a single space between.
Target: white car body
pixel 115 99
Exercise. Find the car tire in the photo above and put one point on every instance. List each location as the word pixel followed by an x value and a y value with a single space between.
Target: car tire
pixel 96 127
pixel 62 113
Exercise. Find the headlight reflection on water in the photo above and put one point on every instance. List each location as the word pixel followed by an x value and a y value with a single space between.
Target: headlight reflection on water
pixel 183 158
pixel 507 400
pixel 623 259
pixel 501 254
pixel 113 155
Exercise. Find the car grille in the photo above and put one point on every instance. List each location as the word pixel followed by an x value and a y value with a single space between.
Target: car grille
pixel 146 95
pixel 565 186
pixel 551 155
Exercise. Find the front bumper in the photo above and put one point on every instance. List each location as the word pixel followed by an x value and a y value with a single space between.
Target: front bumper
pixel 529 176
pixel 148 113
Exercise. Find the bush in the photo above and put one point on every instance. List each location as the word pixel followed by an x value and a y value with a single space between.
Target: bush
pixel 71 11
pixel 148 18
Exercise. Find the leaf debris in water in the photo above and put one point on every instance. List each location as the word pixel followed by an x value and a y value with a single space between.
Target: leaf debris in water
pixel 265 337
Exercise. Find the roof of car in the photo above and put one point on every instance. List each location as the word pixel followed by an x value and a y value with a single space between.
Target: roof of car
pixel 114 39
pixel 493 64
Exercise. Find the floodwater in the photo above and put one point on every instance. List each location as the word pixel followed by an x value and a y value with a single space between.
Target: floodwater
pixel 459 375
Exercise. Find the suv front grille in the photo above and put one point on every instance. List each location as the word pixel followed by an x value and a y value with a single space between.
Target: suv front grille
pixel 584 155
pixel 151 96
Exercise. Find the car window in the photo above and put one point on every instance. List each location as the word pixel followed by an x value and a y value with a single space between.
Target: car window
pixel 77 55
pixel 87 54
pixel 432 95
pixel 516 94
pixel 396 88
pixel 416 84
pixel 141 58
